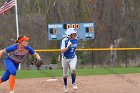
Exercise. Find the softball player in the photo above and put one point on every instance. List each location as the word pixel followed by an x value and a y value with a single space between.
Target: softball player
pixel 69 58
pixel 15 55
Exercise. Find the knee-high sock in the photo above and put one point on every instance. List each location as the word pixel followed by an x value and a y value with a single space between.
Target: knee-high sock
pixel 73 77
pixel 12 82
pixel 65 80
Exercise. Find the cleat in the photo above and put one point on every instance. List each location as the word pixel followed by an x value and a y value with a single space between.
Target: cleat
pixel 66 89
pixel 74 86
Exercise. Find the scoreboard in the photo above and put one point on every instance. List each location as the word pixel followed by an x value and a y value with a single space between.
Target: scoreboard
pixel 57 31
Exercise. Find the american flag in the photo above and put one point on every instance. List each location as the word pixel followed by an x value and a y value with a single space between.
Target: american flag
pixel 6 6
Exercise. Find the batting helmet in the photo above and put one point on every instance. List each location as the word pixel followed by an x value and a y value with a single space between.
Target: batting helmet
pixel 70 31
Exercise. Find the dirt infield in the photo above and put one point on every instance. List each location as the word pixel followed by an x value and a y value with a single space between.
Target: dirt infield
pixel 86 84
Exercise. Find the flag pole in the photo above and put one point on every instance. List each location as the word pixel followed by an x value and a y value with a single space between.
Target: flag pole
pixel 17 26
pixel 16 12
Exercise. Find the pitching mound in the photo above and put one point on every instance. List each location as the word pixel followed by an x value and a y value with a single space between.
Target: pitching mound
pixel 86 84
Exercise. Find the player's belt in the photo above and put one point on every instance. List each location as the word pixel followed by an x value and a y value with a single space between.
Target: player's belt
pixel 68 57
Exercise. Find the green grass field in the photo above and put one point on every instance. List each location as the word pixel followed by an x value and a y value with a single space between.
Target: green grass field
pixel 80 72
